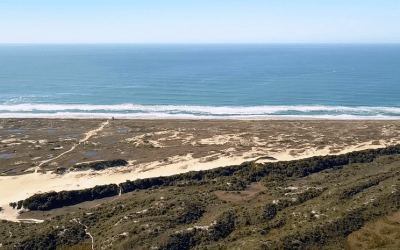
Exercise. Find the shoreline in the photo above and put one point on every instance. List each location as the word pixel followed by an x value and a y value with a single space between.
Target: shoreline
pixel 159 116
pixel 138 111
pixel 165 147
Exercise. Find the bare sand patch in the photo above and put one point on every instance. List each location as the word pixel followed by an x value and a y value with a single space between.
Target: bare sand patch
pixel 164 147
pixel 254 191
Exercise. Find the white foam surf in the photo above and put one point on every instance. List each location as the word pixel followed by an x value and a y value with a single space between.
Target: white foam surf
pixel 189 112
pixel 70 115
pixel 186 108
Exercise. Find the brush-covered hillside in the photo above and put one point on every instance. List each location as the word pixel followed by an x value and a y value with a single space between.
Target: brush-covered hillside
pixel 349 201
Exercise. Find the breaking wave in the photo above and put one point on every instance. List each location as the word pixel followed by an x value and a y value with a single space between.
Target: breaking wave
pixel 190 112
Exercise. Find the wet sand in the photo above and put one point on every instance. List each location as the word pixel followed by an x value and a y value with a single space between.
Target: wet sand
pixel 33 151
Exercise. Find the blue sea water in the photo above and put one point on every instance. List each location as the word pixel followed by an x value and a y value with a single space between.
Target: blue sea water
pixel 346 81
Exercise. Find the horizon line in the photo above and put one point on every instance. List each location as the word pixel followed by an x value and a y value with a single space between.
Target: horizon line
pixel 199 43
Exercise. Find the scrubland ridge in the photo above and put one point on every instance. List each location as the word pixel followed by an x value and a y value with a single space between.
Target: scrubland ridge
pixel 323 202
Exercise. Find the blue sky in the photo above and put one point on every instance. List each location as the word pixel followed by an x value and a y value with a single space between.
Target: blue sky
pixel 218 21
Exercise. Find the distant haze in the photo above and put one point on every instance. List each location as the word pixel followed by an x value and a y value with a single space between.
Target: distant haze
pixel 178 21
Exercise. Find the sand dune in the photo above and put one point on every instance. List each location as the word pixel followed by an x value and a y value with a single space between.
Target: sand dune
pixel 169 147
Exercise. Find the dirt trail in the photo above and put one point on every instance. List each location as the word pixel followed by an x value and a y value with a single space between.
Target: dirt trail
pixel 11 214
pixel 77 221
pixel 88 135
pixel 31 220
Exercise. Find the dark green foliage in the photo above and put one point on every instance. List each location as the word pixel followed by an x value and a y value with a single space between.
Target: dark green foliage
pixel 224 226
pixel 60 237
pixel 300 198
pixel 308 204
pixel 99 165
pixel 53 200
pixel 349 192
pixel 340 227
pixel 319 236
pixel 180 241
pixel 244 174
pixel 191 212
pixel 270 211
pixel 61 170
pixel 19 204
pixel 310 194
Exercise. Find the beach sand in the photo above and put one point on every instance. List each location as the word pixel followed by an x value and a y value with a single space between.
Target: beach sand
pixel 32 150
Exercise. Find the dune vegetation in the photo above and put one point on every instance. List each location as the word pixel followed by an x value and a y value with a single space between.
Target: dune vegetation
pixel 326 202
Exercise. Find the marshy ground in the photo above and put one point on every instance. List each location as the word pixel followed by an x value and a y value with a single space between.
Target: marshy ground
pixel 155 144
pixel 344 206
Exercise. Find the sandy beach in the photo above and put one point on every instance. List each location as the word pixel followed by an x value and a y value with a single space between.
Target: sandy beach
pixel 42 155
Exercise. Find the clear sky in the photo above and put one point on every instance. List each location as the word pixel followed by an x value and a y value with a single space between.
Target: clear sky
pixel 200 21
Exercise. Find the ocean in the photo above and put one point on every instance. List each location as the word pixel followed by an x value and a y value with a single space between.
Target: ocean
pixel 198 81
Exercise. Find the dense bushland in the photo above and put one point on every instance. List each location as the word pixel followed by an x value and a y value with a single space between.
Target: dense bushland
pixel 241 175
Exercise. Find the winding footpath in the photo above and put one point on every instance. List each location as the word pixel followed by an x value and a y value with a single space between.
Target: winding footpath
pixel 10 214
pixel 88 135
pixel 77 221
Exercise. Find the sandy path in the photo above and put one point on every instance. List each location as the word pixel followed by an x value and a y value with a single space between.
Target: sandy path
pixel 34 182
pixel 213 145
pixel 31 220
pixel 88 135
pixel 77 221
pixel 24 186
